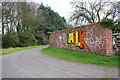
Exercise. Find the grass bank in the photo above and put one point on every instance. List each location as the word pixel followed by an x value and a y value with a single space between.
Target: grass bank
pixel 80 56
pixel 11 50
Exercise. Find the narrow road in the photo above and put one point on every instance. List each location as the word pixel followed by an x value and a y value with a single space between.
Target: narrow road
pixel 32 63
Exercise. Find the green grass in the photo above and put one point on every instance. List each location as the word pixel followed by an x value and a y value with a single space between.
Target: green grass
pixel 80 56
pixel 11 50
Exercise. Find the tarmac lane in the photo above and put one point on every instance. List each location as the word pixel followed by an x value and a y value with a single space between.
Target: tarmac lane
pixel 32 63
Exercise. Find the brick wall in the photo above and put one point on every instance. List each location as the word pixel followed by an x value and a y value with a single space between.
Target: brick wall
pixel 89 38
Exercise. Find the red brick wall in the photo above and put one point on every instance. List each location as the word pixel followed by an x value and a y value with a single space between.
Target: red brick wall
pixel 98 39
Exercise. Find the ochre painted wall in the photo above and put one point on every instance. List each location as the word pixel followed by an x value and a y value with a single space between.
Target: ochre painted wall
pixel 89 38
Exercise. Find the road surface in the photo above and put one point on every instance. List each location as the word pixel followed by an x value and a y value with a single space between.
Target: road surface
pixel 32 63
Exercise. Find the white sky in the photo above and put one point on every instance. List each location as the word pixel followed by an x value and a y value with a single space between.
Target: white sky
pixel 63 7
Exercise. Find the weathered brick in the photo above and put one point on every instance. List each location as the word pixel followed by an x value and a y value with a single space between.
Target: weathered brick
pixel 98 39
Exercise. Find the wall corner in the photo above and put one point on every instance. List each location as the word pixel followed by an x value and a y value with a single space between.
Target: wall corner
pixel 109 42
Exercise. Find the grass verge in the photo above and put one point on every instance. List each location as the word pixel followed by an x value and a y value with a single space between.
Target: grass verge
pixel 11 50
pixel 80 56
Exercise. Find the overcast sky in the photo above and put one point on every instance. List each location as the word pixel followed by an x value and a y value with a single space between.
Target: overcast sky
pixel 63 7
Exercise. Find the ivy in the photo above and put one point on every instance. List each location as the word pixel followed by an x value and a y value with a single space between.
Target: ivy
pixel 109 23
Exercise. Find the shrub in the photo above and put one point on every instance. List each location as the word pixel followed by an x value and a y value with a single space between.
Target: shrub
pixel 27 39
pixel 9 41
pixel 116 28
pixel 41 38
pixel 111 24
pixel 107 23
pixel 117 53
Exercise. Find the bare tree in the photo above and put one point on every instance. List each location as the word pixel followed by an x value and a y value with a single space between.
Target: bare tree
pixel 118 18
pixel 90 12
pixel 7 17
